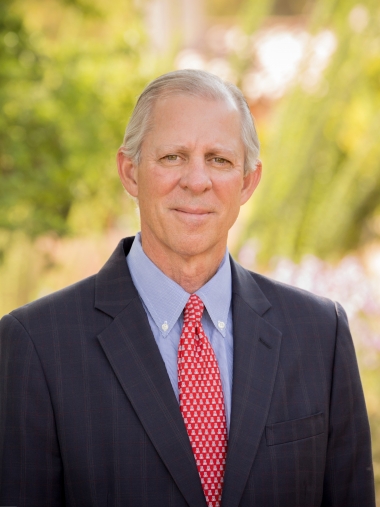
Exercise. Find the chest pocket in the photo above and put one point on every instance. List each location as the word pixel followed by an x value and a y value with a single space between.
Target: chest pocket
pixel 296 429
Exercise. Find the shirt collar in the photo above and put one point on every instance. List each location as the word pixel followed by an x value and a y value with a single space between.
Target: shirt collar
pixel 165 299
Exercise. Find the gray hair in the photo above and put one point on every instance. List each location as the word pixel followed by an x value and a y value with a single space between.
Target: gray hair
pixel 199 84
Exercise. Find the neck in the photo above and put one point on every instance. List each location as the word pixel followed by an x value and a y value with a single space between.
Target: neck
pixel 190 272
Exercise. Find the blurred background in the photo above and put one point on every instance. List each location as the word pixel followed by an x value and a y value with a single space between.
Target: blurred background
pixel 70 73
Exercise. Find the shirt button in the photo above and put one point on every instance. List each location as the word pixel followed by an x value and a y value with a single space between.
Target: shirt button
pixel 165 326
pixel 221 325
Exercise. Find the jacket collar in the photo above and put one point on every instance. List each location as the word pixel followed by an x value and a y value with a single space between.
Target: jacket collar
pixel 245 286
pixel 114 288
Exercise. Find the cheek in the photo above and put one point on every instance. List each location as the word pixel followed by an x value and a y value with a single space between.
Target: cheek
pixel 159 186
pixel 229 195
pixel 148 189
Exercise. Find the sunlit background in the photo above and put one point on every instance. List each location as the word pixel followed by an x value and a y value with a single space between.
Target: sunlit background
pixel 70 72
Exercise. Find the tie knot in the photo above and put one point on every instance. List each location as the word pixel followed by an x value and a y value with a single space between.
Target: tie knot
pixel 193 309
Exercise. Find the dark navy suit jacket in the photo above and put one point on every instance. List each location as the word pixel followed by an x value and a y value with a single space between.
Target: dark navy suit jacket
pixel 89 418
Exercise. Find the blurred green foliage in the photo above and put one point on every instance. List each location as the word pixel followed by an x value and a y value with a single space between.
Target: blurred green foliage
pixel 70 73
pixel 320 192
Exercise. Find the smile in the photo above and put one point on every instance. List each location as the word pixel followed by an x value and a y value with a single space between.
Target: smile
pixel 193 216
pixel 193 211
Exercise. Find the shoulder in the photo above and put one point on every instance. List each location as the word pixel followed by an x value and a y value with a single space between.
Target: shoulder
pixel 59 305
pixel 310 324
pixel 289 301
pixel 86 305
pixel 291 294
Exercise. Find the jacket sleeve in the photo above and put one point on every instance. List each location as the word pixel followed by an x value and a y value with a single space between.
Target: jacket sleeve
pixel 30 462
pixel 348 478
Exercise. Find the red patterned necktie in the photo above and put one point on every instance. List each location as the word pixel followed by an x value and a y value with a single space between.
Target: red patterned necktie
pixel 201 401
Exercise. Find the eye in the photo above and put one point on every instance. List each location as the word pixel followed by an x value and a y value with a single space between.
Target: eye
pixel 171 158
pixel 220 161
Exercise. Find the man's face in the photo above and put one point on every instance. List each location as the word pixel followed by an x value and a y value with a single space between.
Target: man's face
pixel 190 180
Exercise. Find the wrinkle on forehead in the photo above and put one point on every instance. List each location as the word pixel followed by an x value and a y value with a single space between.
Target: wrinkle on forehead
pixel 185 123
pixel 165 97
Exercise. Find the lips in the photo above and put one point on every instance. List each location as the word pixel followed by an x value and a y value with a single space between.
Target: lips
pixel 193 211
pixel 193 216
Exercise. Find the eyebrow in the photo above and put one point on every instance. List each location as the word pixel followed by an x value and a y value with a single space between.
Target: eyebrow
pixel 222 152
pixel 216 150
pixel 173 147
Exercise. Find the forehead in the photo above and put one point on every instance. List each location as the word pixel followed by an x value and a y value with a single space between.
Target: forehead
pixel 191 118
pixel 178 100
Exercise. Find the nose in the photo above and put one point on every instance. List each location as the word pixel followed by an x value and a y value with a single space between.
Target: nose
pixel 196 177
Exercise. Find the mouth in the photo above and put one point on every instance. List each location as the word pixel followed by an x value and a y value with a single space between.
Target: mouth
pixel 192 215
pixel 193 211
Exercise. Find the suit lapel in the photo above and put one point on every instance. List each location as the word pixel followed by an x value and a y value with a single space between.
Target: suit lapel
pixel 133 354
pixel 256 353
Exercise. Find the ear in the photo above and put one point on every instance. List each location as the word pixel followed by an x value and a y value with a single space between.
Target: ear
pixel 250 182
pixel 127 173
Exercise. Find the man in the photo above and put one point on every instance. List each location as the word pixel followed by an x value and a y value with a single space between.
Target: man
pixel 174 377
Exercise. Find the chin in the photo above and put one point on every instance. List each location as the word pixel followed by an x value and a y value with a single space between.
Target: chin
pixel 192 245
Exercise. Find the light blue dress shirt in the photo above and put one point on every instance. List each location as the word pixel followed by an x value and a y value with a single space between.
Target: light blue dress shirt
pixel 164 301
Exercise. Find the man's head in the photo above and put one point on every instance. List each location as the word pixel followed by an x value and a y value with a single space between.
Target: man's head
pixel 187 163
pixel 196 83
